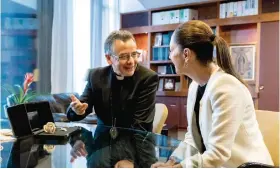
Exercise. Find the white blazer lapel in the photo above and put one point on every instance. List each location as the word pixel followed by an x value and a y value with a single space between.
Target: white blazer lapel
pixel 193 126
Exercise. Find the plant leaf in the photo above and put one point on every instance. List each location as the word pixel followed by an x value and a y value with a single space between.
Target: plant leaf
pixel 21 93
pixel 29 96
pixel 8 89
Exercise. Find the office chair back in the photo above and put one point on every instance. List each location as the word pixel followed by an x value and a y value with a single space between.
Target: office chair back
pixel 161 114
pixel 269 126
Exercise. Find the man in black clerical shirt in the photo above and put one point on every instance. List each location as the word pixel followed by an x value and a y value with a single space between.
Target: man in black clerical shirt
pixel 123 93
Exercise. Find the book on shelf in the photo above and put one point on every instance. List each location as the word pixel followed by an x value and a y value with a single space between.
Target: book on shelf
pixel 222 10
pixel 188 14
pixel 239 8
pixel 160 53
pixel 174 16
pixel 166 70
pixel 177 86
pixel 166 38
pixel 158 39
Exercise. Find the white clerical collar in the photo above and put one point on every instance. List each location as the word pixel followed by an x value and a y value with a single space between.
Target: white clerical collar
pixel 119 77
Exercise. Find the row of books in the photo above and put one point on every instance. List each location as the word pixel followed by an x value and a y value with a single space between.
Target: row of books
pixel 162 39
pixel 174 16
pixel 20 23
pixel 239 8
pixel 160 53
pixel 168 69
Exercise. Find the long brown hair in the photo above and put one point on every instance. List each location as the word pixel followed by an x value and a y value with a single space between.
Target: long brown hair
pixel 198 36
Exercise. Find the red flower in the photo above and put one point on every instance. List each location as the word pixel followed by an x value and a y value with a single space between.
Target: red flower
pixel 29 77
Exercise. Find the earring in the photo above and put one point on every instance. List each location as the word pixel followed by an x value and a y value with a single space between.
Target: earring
pixel 186 62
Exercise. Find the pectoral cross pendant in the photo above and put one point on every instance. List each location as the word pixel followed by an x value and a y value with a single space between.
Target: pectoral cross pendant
pixel 114 131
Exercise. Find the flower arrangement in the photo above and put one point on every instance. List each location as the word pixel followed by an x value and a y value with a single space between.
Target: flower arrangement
pixel 18 94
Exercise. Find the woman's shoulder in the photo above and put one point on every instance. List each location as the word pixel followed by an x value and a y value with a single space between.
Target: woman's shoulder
pixel 224 82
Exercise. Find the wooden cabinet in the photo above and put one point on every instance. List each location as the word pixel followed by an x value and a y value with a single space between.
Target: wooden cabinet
pixel 176 110
pixel 183 123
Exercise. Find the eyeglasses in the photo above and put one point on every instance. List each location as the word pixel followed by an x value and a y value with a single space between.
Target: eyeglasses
pixel 126 56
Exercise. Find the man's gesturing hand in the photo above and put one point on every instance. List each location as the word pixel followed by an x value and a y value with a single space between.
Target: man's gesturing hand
pixel 78 107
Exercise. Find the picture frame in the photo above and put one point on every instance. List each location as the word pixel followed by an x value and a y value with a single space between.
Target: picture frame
pixel 244 60
pixel 169 84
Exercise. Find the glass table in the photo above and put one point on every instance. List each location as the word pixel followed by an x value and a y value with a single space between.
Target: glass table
pixel 95 147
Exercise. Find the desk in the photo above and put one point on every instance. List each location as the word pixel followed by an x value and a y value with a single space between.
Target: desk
pixel 144 148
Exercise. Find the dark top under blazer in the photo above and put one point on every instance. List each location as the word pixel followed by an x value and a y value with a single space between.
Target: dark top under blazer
pixel 137 98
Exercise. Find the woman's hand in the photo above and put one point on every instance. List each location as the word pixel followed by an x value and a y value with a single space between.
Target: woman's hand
pixel 124 164
pixel 78 150
pixel 171 163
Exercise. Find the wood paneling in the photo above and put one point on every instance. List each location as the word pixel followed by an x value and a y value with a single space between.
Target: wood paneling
pixel 176 110
pixel 239 33
pixel 269 67
pixel 142 41
pixel 270 6
pixel 135 19
pixel 138 30
pixel 171 93
pixel 173 106
pixel 183 122
pixel 208 11
pixel 169 75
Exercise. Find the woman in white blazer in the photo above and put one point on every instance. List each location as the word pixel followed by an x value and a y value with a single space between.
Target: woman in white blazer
pixel 220 109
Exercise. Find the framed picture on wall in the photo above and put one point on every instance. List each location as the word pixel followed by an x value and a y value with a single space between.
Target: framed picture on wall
pixel 244 60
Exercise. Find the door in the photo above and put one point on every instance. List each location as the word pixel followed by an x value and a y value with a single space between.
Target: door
pixel 269 67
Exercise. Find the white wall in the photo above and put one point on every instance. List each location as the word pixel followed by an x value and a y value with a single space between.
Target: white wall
pixel 130 6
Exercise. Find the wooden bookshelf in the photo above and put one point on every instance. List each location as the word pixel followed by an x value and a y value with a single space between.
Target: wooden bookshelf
pixel 172 93
pixel 168 75
pixel 266 17
pixel 238 30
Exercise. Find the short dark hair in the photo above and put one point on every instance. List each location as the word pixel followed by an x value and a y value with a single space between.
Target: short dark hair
pixel 122 35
